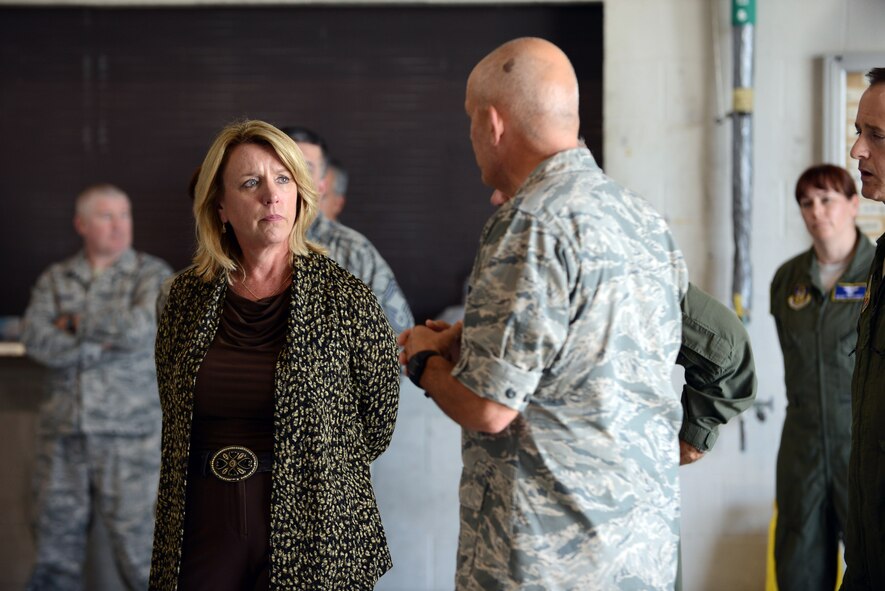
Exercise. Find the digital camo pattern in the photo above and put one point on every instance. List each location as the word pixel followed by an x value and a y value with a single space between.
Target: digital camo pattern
pixel 573 319
pixel 124 472
pixel 354 252
pixel 100 426
pixel 102 378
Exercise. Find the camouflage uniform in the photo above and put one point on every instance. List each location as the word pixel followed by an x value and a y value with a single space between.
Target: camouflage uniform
pixel 99 428
pixel 573 319
pixel 354 252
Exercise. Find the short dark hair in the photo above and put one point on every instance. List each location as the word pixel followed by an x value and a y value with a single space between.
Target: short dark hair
pixel 876 76
pixel 826 177
pixel 308 136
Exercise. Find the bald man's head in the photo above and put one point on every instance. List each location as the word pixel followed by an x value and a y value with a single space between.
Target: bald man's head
pixel 532 83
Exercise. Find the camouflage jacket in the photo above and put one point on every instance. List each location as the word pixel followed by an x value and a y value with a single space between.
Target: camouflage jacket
pixel 573 318
pixel 354 252
pixel 336 393
pixel 102 377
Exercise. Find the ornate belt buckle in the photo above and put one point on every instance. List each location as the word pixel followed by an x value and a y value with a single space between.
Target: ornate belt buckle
pixel 233 463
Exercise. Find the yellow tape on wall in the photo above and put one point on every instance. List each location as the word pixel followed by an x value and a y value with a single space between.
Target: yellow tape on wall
pixel 742 100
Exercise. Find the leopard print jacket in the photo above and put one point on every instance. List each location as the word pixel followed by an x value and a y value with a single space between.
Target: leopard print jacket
pixel 335 404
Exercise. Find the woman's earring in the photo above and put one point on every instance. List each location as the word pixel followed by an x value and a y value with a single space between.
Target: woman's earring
pixel 224 228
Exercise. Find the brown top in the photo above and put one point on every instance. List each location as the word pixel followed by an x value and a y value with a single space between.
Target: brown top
pixel 234 394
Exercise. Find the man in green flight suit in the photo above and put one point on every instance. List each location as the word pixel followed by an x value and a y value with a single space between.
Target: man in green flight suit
pixel 865 534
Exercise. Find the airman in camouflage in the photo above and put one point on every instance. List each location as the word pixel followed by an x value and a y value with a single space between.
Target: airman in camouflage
pixel 561 376
pixel 91 321
pixel 354 252
pixel 346 246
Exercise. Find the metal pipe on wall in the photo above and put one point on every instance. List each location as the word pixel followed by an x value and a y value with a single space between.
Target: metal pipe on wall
pixel 743 20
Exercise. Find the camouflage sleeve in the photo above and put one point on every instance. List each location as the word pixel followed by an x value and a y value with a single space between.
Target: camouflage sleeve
pixel 517 311
pixel 375 371
pixel 127 321
pixel 43 341
pixel 164 295
pixel 374 271
pixel 719 369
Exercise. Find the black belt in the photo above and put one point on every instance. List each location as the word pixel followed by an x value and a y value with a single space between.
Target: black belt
pixel 231 464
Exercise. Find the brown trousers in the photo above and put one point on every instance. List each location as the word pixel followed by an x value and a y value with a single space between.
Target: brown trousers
pixel 226 534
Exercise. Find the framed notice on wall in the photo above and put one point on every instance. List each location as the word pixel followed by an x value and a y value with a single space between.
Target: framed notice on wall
pixel 844 82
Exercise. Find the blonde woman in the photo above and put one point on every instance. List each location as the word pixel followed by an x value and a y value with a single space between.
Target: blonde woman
pixel 279 384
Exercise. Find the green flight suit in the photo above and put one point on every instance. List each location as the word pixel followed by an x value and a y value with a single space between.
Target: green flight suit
pixel 817 332
pixel 720 376
pixel 865 534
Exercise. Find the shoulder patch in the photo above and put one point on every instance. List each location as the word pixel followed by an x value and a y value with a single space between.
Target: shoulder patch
pixel 799 298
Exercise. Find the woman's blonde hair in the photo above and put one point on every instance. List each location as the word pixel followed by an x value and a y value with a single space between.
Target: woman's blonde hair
pixel 218 251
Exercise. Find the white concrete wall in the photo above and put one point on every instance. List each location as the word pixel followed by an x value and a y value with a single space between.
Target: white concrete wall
pixel 667 74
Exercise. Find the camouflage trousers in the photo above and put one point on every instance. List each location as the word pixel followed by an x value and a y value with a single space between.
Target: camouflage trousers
pixel 117 475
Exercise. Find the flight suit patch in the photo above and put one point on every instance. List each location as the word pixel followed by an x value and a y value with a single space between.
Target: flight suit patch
pixel 849 292
pixel 799 298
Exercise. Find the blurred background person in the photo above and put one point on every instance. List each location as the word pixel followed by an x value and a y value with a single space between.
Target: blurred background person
pixel 335 198
pixel 346 246
pixel 91 320
pixel 279 383
pixel 816 299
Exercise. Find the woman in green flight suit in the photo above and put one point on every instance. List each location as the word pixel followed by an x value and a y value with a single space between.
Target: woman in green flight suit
pixel 815 300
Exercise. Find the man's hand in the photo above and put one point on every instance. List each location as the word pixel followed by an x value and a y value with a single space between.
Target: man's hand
pixel 436 336
pixel 68 323
pixel 453 353
pixel 688 453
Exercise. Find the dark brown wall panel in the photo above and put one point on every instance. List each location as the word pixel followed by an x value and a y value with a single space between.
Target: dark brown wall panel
pixel 134 97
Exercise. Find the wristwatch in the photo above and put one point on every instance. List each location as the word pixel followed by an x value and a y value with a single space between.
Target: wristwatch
pixel 416 365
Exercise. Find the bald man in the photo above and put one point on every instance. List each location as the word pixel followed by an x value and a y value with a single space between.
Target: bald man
pixel 560 375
